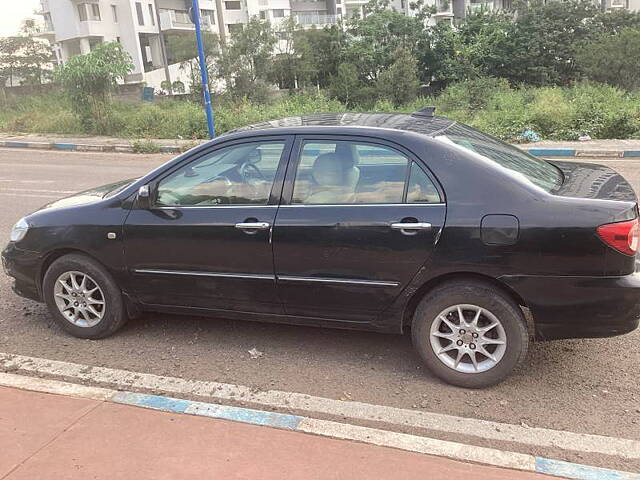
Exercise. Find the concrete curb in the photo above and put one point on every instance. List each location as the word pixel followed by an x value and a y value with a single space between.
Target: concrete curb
pixel 127 148
pixel 82 147
pixel 325 428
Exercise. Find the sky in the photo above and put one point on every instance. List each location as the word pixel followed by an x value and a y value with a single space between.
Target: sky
pixel 13 12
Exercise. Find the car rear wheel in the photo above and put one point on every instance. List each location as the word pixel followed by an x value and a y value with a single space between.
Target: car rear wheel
pixel 83 298
pixel 470 334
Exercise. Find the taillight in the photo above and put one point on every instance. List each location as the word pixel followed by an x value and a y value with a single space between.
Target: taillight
pixel 623 236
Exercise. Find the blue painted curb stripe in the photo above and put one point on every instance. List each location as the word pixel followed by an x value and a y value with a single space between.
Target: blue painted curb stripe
pixel 292 422
pixel 65 146
pixel 553 152
pixel 224 412
pixel 580 472
pixel 16 144
pixel 631 153
pixel 151 401
pixel 245 415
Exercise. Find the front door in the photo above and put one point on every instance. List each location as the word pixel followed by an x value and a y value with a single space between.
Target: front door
pixel 205 241
pixel 359 218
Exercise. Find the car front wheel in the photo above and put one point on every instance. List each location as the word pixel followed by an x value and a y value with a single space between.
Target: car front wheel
pixel 83 298
pixel 470 334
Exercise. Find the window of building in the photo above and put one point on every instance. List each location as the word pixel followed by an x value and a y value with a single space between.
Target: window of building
pixel 339 11
pixel 234 27
pixel 139 13
pixel 48 24
pixel 232 5
pixel 82 12
pixel 118 40
pixel 114 13
pixel 278 12
pixel 208 16
pixel 263 14
pixel 95 12
pixel 151 15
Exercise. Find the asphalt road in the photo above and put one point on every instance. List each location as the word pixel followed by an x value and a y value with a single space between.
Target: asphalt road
pixel 588 386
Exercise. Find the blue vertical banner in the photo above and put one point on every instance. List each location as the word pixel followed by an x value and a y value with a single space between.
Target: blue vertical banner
pixel 204 75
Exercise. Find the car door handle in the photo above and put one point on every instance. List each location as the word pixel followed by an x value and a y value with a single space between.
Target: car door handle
pixel 411 226
pixel 253 225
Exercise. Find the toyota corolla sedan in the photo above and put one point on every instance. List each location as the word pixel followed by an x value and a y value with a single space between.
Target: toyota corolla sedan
pixel 382 222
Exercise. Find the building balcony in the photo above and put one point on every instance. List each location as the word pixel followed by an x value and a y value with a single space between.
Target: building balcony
pixel 444 8
pixel 172 21
pixel 315 19
pixel 44 7
pixel 477 6
pixel 46 31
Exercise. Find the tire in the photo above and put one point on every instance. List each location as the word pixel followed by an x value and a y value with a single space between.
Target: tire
pixel 431 333
pixel 111 315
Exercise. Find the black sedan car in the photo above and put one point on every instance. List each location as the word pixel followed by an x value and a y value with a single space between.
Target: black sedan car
pixel 366 221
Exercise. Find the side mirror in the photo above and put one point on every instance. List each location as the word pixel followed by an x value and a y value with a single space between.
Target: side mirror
pixel 144 195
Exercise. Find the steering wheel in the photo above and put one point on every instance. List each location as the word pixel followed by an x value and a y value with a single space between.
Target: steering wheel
pixel 250 166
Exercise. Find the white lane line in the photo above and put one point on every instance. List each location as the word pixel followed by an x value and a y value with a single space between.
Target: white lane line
pixel 10 180
pixel 36 190
pixel 14 194
pixel 542 437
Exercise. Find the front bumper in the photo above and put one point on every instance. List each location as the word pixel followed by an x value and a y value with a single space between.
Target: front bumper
pixel 579 307
pixel 24 267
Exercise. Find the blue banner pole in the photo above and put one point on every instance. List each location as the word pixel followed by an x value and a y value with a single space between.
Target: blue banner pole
pixel 203 70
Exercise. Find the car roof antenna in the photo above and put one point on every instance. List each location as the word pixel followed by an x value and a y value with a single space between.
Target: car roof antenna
pixel 424 112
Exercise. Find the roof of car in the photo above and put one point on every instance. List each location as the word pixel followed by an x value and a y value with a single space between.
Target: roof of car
pixel 417 122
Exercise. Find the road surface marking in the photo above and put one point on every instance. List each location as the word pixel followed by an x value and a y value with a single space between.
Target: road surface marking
pixel 35 190
pixel 326 428
pixel 310 405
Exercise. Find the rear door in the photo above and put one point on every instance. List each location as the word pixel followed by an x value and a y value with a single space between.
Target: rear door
pixel 359 217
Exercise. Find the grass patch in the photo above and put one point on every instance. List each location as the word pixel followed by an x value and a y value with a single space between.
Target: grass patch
pixel 491 105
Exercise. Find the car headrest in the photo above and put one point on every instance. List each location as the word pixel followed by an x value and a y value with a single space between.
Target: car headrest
pixel 331 170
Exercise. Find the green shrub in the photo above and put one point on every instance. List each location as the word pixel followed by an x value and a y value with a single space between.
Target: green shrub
pixel 551 113
pixel 554 113
pixel 145 146
pixel 472 95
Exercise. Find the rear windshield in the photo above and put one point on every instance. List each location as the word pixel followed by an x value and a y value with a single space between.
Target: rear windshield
pixel 537 171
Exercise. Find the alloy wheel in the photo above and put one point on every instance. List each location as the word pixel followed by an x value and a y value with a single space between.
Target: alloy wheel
pixel 468 338
pixel 79 299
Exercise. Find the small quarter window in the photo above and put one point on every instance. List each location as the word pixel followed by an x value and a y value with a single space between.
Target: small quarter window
pixel 421 189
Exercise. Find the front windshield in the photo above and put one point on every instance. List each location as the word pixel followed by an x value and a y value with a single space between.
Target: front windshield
pixel 537 171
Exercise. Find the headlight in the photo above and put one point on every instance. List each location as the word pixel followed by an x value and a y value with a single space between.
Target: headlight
pixel 19 230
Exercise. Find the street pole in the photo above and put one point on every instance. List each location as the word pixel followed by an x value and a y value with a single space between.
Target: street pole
pixel 203 70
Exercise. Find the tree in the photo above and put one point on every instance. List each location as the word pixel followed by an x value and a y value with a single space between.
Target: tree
pixel 245 63
pixel 613 59
pixel 346 85
pixel 399 83
pixel 89 80
pixel 326 47
pixel 293 63
pixel 25 60
pixel 183 49
pixel 373 40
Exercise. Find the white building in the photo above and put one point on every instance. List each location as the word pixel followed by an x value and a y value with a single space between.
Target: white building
pixel 75 26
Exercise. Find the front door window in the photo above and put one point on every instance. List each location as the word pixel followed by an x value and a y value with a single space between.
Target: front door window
pixel 236 175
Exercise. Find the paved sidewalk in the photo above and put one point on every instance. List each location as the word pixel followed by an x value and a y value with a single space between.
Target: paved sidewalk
pixel 47 436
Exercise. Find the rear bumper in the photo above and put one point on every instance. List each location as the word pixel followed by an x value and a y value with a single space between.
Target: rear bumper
pixel 23 266
pixel 579 307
